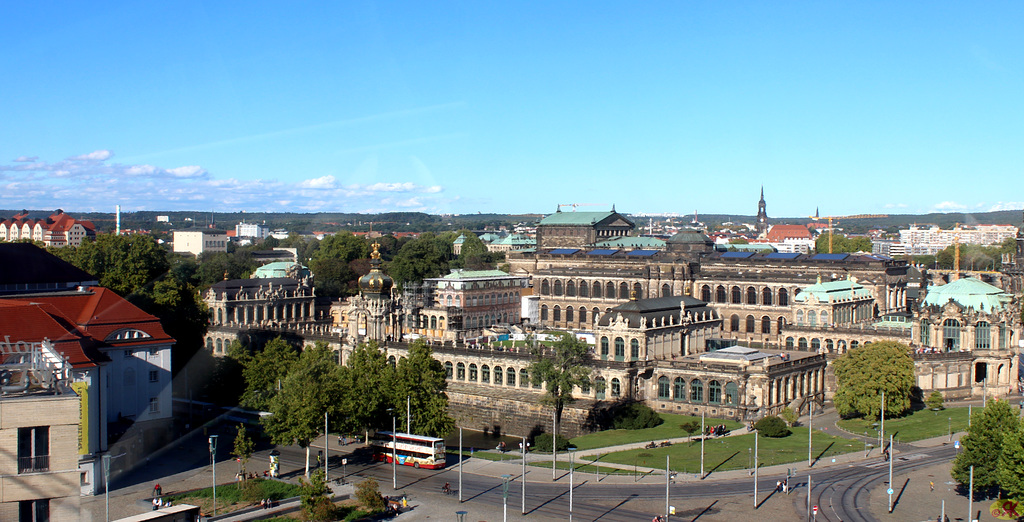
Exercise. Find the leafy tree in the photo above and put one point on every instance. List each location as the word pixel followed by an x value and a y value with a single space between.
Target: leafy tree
pixel 788 415
pixel 542 443
pixel 1011 462
pixel 311 388
pixel 842 244
pixel 368 380
pixel 124 264
pixel 421 378
pixel 368 495
pixel 863 374
pixel 772 426
pixel 263 371
pixel 216 266
pixel 983 445
pixel 635 416
pixel 690 427
pixel 331 263
pixel 560 368
pixel 244 447
pixel 423 257
pixel 935 400
pixel 315 497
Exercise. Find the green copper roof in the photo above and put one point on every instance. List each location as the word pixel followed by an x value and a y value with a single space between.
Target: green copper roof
pixel 489 237
pixel 690 236
pixel 459 240
pixel 635 242
pixel 575 218
pixel 832 291
pixel 474 274
pixel 969 292
pixel 516 240
pixel 280 269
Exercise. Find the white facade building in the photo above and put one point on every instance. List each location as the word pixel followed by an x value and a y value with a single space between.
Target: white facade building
pixel 257 230
pixel 196 242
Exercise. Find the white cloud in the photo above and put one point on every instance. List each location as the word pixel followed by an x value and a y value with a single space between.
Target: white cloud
pixel 141 170
pixel 26 159
pixel 323 182
pixel 947 206
pixel 99 155
pixel 1007 205
pixel 190 171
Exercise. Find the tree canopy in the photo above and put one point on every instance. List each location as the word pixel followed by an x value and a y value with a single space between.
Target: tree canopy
pixel 842 244
pixel 864 373
pixel 982 447
pixel 560 367
pixel 421 378
pixel 263 371
pixel 423 257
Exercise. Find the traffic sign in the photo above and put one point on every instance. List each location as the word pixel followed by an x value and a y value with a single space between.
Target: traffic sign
pixel 815 510
pixel 889 491
pixel 956 444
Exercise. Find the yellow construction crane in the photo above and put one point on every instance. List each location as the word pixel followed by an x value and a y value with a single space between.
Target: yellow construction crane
pixel 836 219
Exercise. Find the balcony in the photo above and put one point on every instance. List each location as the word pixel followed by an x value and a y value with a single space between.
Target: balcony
pixel 33 464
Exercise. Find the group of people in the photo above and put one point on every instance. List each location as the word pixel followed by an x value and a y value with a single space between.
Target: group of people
pixel 251 475
pixel 782 485
pixel 157 503
pixel 266 503
pixel 717 431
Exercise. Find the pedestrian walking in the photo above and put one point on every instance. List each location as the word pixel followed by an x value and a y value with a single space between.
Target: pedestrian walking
pixel 931 484
pixel 157 491
pixel 778 485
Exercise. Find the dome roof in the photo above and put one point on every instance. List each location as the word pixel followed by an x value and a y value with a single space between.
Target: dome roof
pixel 376 282
pixel 690 236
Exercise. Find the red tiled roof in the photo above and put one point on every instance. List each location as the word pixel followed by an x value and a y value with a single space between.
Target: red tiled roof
pixel 24 320
pixel 782 232
pixel 101 312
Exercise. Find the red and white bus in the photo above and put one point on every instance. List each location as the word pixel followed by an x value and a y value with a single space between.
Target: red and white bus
pixel 412 450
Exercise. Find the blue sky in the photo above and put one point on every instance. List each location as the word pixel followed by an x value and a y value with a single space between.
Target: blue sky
pixel 514 107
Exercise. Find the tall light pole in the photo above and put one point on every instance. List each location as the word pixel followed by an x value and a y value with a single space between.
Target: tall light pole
pixel 504 496
pixel 571 470
pixel 460 464
pixel 668 474
pixel 970 497
pixel 810 429
pixel 881 420
pixel 106 483
pixel 755 469
pixel 327 452
pixel 408 414
pixel 213 465
pixel 394 454
pixel 525 451
pixel 890 473
pixel 702 437
pixel 554 444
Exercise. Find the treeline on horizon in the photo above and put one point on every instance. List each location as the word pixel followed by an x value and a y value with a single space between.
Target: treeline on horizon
pixel 391 222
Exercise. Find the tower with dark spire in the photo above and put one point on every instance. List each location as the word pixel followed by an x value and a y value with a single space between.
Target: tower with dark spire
pixel 762 214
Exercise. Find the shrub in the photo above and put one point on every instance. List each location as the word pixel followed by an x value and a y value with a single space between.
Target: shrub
pixel 935 400
pixel 542 442
pixel 789 416
pixel 316 500
pixel 635 416
pixel 368 495
pixel 772 427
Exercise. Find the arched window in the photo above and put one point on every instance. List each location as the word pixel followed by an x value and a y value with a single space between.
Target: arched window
pixel 599 387
pixel 604 347
pixel 829 345
pixel 623 291
pixel 841 346
pixel 472 372
pixel 545 288
pixel 584 289
pixel 815 344
pixel 460 372
pixel 781 324
pixel 558 287
pixel 951 335
pixel 209 343
pixel 751 295
pixel 510 376
pixel 638 289
pixel 570 289
pixel 220 316
pixel 720 294
pixel 620 349
pixel 524 378
pixel 448 300
pixel 737 296
pixel 799 317
pixel 801 344
pixel 392 361
pixel 783 297
pixel 433 323
pixel 583 314
pixel 679 389
pixel 789 343
pixel 732 394
pixel 734 323
pixel 824 317
pixel 220 346
pixel 543 312
pixel 714 392
pixel 448 369
pixel 696 391
pixel 705 293
pixel 982 336
pixel 766 296
pixel 666 290
pixel 485 374
pixel 854 345
pixel 812 318
pixel 498 375
pixel 568 314
pixel 597 290
pixel 634 349
pixel 766 324
pixel 556 313
pixel 750 324
pixel 609 290
pixel 663 387
pixel 616 387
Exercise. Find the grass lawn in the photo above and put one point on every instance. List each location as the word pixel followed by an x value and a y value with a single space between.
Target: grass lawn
pixel 917 425
pixel 728 453
pixel 230 497
pixel 669 429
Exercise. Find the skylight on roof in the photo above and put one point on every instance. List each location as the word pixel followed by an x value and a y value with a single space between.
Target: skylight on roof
pixel 564 251
pixel 830 257
pixel 642 253
pixel 737 255
pixel 602 252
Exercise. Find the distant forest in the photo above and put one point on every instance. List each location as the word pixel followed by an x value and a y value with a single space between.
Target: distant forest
pixel 304 223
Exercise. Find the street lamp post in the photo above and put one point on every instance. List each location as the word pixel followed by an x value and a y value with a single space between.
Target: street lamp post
pixel 525 450
pixel 213 465
pixel 755 469
pixel 394 454
pixel 460 464
pixel 504 495
pixel 106 483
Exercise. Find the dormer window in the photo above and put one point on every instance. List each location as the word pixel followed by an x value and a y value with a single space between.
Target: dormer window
pixel 127 334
